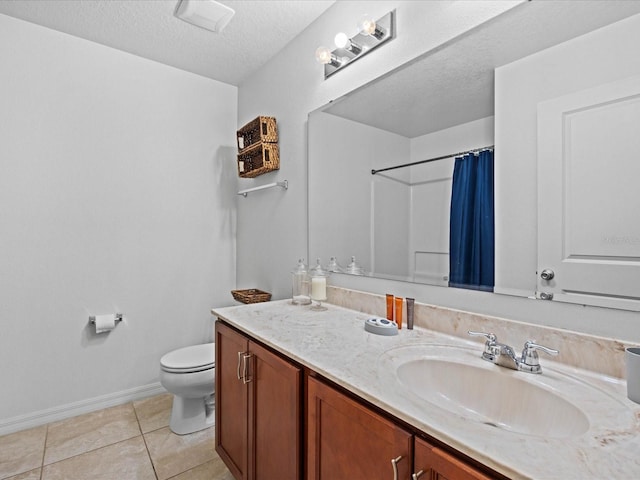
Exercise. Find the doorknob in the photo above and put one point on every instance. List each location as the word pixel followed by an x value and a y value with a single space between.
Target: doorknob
pixel 547 274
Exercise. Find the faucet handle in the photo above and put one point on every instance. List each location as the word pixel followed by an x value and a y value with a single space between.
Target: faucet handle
pixel 530 354
pixel 491 337
pixel 489 353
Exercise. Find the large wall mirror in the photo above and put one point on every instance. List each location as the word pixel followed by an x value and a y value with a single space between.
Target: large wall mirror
pixel 396 222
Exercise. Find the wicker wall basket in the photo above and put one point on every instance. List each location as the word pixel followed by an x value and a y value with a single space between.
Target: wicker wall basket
pixel 259 159
pixel 259 130
pixel 252 295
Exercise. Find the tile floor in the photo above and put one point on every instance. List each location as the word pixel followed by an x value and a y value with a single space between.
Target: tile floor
pixel 127 442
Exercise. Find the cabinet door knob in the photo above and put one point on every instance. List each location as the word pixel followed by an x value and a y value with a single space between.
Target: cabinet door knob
pixel 394 462
pixel 416 476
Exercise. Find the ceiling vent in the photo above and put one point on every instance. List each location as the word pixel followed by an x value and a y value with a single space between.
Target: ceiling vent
pixel 205 14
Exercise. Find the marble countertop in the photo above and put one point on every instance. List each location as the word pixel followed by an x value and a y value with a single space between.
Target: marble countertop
pixel 334 344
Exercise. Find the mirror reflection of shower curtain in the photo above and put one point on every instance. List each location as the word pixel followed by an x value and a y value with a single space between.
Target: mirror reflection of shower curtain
pixel 472 236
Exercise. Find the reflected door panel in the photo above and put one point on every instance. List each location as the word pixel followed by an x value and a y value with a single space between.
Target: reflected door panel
pixel 589 215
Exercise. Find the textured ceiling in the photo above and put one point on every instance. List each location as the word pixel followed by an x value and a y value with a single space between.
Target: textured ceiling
pixel 454 84
pixel 148 28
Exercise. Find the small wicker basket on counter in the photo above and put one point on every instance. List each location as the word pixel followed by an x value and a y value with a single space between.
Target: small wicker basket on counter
pixel 251 295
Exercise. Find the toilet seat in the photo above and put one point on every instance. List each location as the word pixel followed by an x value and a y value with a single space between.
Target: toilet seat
pixel 195 358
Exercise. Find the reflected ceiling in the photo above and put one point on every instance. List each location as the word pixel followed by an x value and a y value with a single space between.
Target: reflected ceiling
pixel 468 63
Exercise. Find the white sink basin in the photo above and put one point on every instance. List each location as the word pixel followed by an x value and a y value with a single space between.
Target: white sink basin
pixel 494 397
pixel 457 380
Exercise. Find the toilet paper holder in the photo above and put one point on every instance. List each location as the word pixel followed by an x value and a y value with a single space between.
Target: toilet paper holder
pixel 92 319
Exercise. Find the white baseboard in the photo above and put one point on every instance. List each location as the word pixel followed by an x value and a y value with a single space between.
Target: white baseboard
pixel 42 417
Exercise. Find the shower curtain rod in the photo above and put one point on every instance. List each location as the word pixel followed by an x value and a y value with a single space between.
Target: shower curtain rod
pixel 373 172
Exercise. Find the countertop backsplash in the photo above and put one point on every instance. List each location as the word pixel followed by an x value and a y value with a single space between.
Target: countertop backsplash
pixel 597 354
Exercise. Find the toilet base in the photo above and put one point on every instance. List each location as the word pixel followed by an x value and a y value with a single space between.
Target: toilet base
pixel 189 415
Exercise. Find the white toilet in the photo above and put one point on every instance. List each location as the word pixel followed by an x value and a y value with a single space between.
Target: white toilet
pixel 189 373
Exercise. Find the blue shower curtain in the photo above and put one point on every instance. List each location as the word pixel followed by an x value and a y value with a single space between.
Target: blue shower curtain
pixel 472 238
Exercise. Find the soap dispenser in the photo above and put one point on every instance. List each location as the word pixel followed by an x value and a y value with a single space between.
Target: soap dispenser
pixel 300 287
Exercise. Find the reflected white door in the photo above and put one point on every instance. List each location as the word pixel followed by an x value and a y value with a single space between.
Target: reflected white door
pixel 589 196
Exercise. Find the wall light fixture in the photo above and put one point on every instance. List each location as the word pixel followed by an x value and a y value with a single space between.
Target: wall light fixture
pixel 371 34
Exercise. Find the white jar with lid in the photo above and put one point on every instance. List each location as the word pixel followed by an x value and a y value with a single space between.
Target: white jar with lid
pixel 300 286
pixel 319 278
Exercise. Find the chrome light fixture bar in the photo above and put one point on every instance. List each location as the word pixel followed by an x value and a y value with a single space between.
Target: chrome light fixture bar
pixel 371 34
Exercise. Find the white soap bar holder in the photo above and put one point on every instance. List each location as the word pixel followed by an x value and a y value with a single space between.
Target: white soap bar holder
pixel 381 326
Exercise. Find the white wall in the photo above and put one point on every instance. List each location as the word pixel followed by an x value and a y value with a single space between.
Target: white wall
pixel 355 213
pixel 391 208
pixel 272 233
pixel 291 85
pixel 117 194
pixel 468 136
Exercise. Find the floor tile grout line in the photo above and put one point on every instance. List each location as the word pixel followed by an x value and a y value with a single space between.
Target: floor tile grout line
pixel 141 434
pixel 96 448
pixel 153 465
pixel 44 450
pixel 44 445
pixel 144 439
pixel 91 451
pixel 135 413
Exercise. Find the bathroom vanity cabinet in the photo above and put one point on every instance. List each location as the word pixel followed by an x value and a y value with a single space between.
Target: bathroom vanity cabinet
pixel 346 439
pixel 436 464
pixel 360 400
pixel 258 409
pixel 259 419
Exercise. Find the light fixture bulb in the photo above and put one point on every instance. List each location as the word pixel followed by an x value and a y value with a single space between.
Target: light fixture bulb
pixel 326 56
pixel 323 55
pixel 367 25
pixel 345 43
pixel 341 40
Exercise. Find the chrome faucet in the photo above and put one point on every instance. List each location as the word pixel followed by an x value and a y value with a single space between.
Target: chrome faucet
pixel 504 356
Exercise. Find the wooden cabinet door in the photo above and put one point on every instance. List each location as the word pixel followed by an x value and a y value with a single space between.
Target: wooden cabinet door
pixel 274 417
pixel 347 441
pixel 436 464
pixel 231 401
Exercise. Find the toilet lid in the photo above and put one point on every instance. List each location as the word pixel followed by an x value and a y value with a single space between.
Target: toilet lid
pixel 187 359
